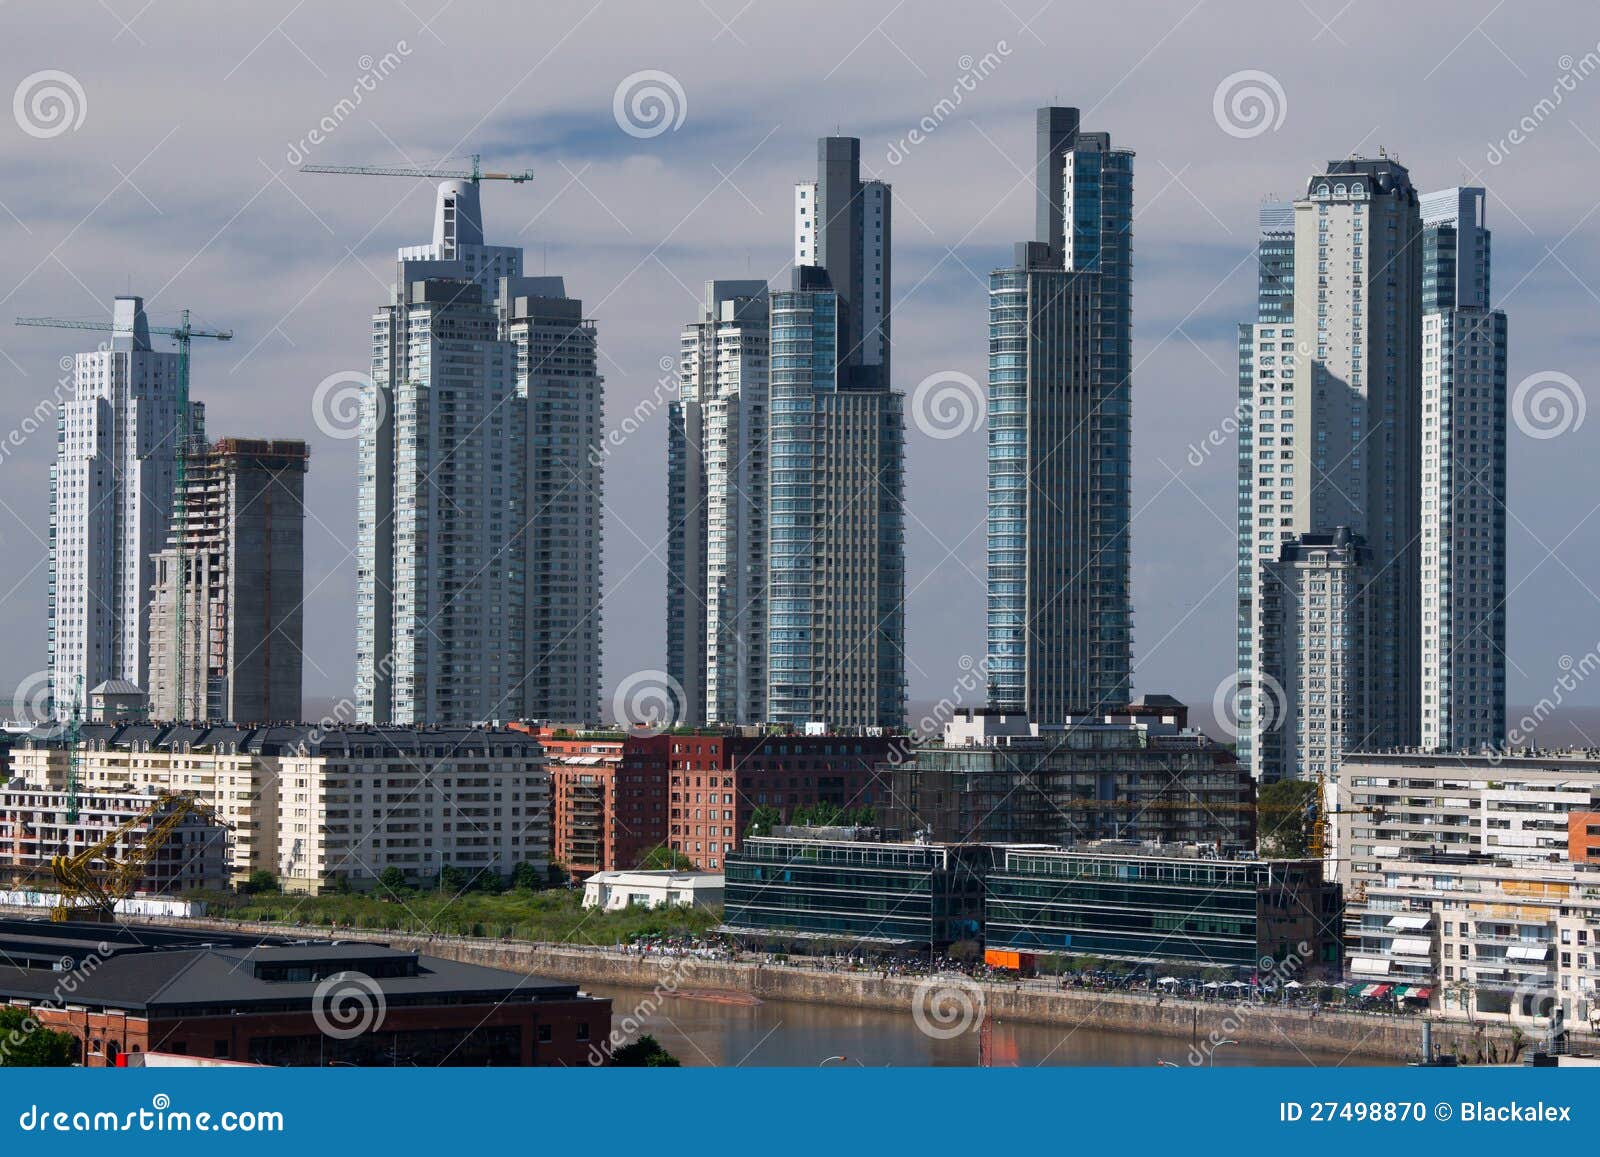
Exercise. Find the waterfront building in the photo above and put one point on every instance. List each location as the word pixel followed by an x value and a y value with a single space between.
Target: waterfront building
pixel 111 491
pixel 1141 773
pixel 1463 422
pixel 717 509
pixel 845 889
pixel 1472 878
pixel 609 802
pixel 1158 904
pixel 1333 410
pixel 228 645
pixel 621 891
pixel 264 1000
pixel 836 453
pixel 1060 438
pixel 35 827
pixel 321 807
pixel 477 517
pixel 719 780
pixel 1486 938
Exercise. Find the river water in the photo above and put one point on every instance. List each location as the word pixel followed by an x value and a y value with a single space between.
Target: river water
pixel 715 1029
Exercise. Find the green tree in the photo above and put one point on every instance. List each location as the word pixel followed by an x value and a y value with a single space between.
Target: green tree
pixel 527 877
pixel 763 819
pixel 24 1044
pixel 260 881
pixel 665 858
pixel 1283 818
pixel 452 879
pixel 644 1053
pixel 392 879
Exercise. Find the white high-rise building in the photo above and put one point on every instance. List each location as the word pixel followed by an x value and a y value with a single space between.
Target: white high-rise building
pixel 110 505
pixel 478 514
pixel 1463 677
pixel 1332 401
pixel 717 509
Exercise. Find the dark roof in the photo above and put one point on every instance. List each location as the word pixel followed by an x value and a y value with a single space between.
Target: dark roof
pixel 170 970
pixel 287 738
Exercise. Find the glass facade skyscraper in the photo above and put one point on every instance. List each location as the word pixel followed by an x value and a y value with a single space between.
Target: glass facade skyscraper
pixel 836 545
pixel 1060 618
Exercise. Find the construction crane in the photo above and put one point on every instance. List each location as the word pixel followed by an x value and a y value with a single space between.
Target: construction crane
pixel 74 737
pixel 90 893
pixel 422 172
pixel 182 334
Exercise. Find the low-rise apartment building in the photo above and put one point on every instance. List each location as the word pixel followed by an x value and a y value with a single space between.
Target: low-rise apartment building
pixel 320 807
pixel 1472 880
pixel 35 825
pixel 1140 774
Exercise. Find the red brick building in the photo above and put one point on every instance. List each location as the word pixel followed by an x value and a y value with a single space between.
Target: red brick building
pixel 608 798
pixel 719 779
pixel 278 1001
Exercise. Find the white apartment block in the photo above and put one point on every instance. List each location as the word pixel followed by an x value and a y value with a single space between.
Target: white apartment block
pixel 717 509
pixel 35 826
pixel 1340 448
pixel 318 808
pixel 478 524
pixel 1316 642
pixel 110 504
pixel 1476 877
pixel 1463 422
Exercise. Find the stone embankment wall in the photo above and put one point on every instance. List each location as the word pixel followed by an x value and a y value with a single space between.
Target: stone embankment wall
pixel 1200 1024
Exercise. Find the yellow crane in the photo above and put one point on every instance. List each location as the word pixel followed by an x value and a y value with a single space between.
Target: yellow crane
pixel 89 892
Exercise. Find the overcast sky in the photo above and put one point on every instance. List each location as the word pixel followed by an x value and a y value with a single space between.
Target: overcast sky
pixel 169 171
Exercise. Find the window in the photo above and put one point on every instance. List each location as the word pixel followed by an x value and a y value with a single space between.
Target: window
pixel 546 1035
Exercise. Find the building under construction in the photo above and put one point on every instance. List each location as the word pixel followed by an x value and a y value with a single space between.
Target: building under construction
pixel 36 825
pixel 226 637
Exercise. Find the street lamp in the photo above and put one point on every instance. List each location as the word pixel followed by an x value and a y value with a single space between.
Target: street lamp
pixel 1214 1048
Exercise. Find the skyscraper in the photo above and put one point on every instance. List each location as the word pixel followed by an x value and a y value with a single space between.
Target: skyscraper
pixel 242 636
pixel 717 509
pixel 478 531
pixel 1060 334
pixel 836 576
pixel 1463 422
pixel 110 505
pixel 1333 405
